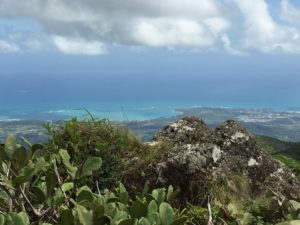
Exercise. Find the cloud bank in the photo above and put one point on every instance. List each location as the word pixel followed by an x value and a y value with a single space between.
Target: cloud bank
pixel 91 27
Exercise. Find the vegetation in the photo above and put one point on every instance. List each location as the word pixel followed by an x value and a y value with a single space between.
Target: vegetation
pixel 286 152
pixel 104 139
pixel 44 186
pixel 275 146
pixel 74 180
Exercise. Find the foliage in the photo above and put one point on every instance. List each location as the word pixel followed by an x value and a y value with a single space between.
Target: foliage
pixel 110 141
pixel 39 186
pixel 63 183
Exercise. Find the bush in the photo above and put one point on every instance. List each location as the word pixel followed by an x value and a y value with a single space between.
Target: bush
pixel 110 141
pixel 39 186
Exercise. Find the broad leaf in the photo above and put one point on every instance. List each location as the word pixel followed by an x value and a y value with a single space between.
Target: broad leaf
pixel 85 216
pixel 91 164
pixel 166 213
pixel 138 210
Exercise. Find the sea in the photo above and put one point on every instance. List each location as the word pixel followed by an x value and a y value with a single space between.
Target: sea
pixel 111 110
pixel 142 86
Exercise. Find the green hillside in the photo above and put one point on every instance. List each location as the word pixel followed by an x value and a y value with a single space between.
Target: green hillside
pixel 275 146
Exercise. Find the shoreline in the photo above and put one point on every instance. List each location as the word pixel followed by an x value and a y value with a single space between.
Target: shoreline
pixel 134 116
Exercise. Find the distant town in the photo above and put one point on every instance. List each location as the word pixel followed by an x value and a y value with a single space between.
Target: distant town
pixel 281 125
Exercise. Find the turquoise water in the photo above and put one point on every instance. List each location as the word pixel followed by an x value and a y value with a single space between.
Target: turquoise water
pixel 100 110
pixel 120 111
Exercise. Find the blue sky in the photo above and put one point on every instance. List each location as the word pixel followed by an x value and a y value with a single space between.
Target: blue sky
pixel 209 50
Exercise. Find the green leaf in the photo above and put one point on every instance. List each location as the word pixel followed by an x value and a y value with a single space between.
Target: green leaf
pixel 170 191
pixel 20 219
pixel 58 197
pixel 112 200
pixel 19 157
pixel 153 218
pixel 171 194
pixel 85 195
pixel 123 197
pixel 67 186
pixel 65 157
pixel 122 188
pixel 146 188
pixel 127 222
pixel 152 207
pixel 26 141
pixel 149 198
pixel 295 204
pixel 66 217
pixel 2 220
pixel 40 164
pixel 159 195
pixel 91 164
pixel 25 175
pixel 103 220
pixel 98 212
pixel 25 217
pixel 293 222
pixel 3 154
pixel 119 216
pixel 138 210
pixel 143 221
pixel 51 182
pixel 39 193
pixel 11 146
pixel 166 213
pixel 7 183
pixel 85 216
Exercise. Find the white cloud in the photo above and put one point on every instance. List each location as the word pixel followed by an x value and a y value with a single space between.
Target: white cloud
pixel 172 32
pixel 86 27
pixel 263 33
pixel 6 47
pixel 227 46
pixel 165 23
pixel 290 13
pixel 78 47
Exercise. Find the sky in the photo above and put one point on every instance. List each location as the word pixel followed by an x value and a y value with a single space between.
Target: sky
pixel 246 50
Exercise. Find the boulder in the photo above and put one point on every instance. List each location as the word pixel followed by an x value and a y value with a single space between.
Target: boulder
pixel 187 130
pixel 200 157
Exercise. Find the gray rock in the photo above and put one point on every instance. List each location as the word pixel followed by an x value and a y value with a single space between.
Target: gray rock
pixel 200 156
pixel 187 130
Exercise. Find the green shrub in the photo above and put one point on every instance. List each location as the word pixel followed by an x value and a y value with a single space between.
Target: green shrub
pixel 42 186
pixel 110 141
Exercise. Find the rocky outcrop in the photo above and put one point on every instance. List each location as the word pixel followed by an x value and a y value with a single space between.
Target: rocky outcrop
pixel 185 131
pixel 200 156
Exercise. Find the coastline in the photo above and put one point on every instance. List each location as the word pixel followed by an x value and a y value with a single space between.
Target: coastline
pixel 283 125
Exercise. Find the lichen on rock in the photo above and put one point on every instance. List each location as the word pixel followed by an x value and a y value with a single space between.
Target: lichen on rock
pixel 199 156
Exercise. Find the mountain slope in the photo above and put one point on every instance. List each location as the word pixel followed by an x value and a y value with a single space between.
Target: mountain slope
pixel 275 146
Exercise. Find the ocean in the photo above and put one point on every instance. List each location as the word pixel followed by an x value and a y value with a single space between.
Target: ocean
pixel 112 110
pixel 118 111
pixel 142 86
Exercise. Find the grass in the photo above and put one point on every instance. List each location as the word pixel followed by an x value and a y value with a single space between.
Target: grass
pixel 110 141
